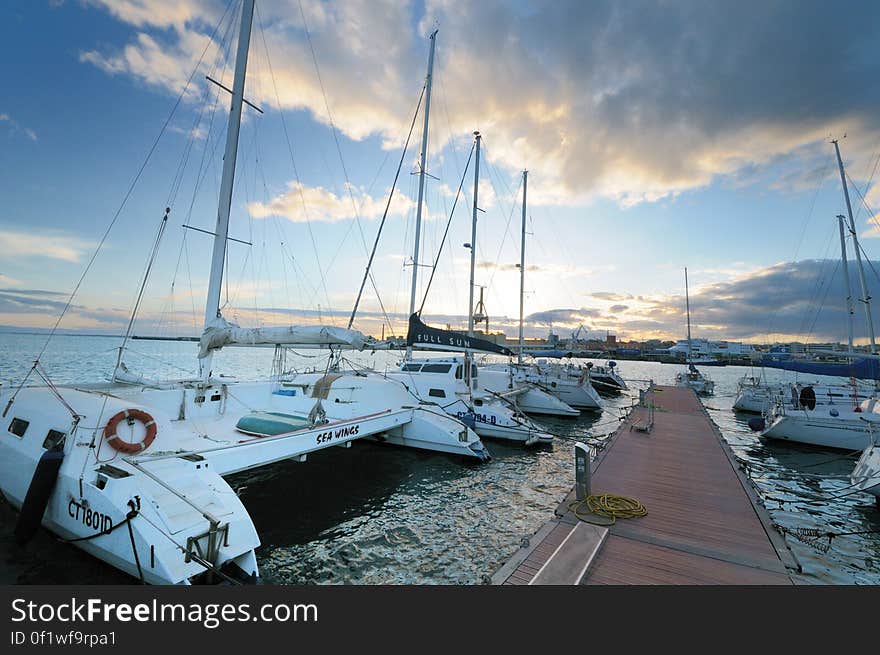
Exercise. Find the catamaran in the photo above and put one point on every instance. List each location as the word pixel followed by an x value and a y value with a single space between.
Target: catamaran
pixel 691 376
pixel 131 471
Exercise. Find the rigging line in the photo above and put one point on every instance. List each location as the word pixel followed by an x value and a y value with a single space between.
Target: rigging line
pixel 824 298
pixel 872 216
pixel 819 283
pixel 821 182
pixel 153 253
pixel 302 196
pixel 867 186
pixel 116 216
pixel 385 215
pixel 348 184
pixel 868 259
pixel 446 231
pixel 503 238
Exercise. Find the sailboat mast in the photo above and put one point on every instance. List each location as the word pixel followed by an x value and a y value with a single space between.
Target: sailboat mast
pixel 522 267
pixel 212 307
pixel 687 302
pixel 850 310
pixel 423 162
pixel 474 235
pixel 866 299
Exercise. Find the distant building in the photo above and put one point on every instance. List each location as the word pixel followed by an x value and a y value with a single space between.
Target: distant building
pixel 707 348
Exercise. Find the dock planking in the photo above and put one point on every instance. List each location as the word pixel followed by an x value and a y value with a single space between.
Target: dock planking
pixel 705 523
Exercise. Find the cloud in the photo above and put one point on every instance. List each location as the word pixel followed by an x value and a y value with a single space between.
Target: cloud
pixel 15 127
pixel 610 295
pixel 616 309
pixel 39 308
pixel 493 266
pixel 53 245
pixel 633 101
pixel 301 203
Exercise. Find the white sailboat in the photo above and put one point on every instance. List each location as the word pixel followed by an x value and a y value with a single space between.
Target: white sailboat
pixel 553 379
pixel 831 426
pixel 453 382
pixel 757 396
pixel 691 376
pixel 131 471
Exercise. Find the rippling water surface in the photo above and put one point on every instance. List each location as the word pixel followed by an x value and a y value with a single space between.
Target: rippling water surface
pixel 379 514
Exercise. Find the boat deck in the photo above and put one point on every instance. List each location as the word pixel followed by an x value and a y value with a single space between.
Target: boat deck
pixel 705 524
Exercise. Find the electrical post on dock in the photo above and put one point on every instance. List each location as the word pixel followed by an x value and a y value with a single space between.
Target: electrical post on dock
pixel 582 472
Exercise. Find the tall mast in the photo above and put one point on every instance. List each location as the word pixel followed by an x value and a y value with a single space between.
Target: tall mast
pixel 423 162
pixel 850 310
pixel 866 299
pixel 522 267
pixel 473 244
pixel 687 302
pixel 212 307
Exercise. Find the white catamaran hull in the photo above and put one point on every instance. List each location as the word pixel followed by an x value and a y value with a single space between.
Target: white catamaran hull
pixel 577 393
pixel 164 513
pixel 527 397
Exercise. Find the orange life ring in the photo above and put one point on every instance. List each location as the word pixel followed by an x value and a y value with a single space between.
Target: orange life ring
pixel 127 446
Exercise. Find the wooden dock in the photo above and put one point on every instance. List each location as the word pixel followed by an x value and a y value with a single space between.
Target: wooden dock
pixel 705 523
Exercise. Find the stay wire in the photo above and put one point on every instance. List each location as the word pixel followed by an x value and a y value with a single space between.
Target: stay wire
pixel 115 218
pixel 446 231
pixel 385 216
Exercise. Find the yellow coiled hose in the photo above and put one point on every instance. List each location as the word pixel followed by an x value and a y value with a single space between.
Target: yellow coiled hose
pixel 609 507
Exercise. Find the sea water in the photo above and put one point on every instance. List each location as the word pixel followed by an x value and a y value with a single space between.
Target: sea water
pixel 380 514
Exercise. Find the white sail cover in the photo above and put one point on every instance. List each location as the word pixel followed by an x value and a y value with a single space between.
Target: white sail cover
pixel 223 333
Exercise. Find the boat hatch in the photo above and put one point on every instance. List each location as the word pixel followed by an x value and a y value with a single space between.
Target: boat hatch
pixel 18 426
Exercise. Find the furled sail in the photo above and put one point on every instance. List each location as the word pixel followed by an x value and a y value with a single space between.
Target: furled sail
pixel 423 336
pixel 223 333
pixel 863 369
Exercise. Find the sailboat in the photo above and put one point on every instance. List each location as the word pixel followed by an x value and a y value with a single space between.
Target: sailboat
pixel 132 471
pixel 691 376
pixel 757 396
pixel 453 382
pixel 846 426
pixel 575 391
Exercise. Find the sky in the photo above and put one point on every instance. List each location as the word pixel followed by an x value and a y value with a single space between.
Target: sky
pixel 657 135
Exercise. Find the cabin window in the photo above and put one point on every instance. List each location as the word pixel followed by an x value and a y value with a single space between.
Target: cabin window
pixel 474 371
pixel 54 439
pixel 436 368
pixel 412 367
pixel 437 393
pixel 478 403
pixel 18 427
pixel 458 371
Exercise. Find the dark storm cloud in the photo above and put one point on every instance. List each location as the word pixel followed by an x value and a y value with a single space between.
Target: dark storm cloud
pixel 804 298
pixel 670 94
